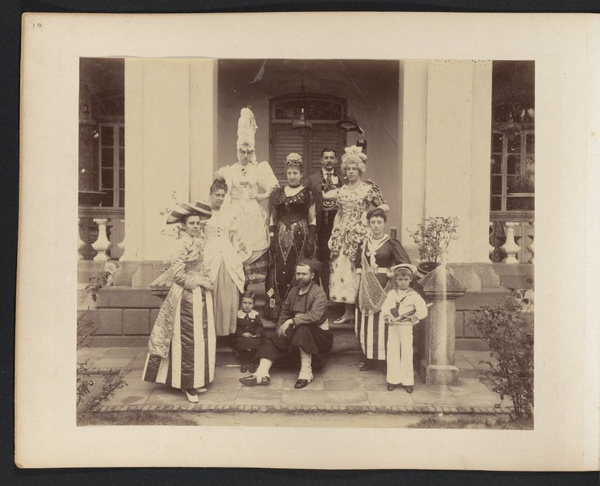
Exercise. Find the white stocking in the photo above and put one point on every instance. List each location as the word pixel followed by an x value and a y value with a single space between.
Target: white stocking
pixel 305 366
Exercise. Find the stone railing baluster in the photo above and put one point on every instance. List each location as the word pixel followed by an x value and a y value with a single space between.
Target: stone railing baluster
pixel 531 247
pixel 102 244
pixel 491 247
pixel 121 245
pixel 80 243
pixel 510 246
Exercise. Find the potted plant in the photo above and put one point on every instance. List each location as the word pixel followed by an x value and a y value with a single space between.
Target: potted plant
pixel 432 237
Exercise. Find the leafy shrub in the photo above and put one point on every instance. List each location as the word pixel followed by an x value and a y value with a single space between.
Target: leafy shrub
pixel 433 236
pixel 111 381
pixel 510 337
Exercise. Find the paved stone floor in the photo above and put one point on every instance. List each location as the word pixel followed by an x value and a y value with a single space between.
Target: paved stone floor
pixel 340 387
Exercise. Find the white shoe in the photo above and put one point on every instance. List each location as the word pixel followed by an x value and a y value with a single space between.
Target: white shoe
pixel 201 390
pixel 191 398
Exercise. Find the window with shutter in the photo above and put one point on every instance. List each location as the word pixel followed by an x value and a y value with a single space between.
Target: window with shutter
pixel 324 112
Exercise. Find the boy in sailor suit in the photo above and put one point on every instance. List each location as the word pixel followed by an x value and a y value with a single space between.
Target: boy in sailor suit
pixel 402 309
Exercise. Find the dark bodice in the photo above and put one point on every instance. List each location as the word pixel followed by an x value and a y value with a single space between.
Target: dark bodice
pixel 387 255
pixel 289 209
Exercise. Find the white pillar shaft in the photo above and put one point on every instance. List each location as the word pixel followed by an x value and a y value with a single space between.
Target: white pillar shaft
pixel 412 135
pixel 169 121
pixel 445 161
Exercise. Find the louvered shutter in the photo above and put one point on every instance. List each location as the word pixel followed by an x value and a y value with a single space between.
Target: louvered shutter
pixel 285 140
pixel 307 143
pixel 322 136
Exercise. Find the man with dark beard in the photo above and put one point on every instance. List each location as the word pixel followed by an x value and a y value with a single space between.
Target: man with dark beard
pixel 302 327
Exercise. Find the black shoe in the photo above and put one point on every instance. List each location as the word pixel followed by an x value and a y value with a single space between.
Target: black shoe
pixel 252 368
pixel 244 368
pixel 409 389
pixel 366 366
pixel 253 381
pixel 301 384
pixel 390 387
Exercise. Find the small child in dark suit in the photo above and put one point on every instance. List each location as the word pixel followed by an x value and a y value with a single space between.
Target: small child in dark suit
pixel 249 333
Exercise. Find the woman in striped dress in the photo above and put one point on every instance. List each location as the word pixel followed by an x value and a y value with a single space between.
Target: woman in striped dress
pixel 375 256
pixel 183 341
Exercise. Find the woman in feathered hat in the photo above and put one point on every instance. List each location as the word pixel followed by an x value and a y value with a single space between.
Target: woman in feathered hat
pixel 249 183
pixel 182 343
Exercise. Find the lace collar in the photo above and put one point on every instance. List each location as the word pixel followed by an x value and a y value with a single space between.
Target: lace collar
pixel 252 314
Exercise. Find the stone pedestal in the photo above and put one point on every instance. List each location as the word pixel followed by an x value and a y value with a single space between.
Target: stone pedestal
pixel 437 363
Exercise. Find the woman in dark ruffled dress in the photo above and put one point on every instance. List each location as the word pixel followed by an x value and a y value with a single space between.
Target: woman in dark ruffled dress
pixel 292 231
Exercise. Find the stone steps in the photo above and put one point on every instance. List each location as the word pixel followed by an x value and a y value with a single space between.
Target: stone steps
pixel 123 314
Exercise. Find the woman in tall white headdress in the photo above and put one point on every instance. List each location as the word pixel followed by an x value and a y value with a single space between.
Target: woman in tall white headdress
pixel 249 183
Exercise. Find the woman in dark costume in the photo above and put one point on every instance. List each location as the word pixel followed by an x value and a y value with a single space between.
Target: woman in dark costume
pixel 375 256
pixel 293 234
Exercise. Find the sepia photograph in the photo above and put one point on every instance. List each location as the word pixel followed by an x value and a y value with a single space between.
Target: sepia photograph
pixel 324 242
pixel 308 241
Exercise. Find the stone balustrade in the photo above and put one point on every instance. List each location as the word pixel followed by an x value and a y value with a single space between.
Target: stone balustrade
pixel 512 239
pixel 101 234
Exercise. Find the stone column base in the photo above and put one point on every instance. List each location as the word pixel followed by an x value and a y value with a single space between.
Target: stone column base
pixel 438 374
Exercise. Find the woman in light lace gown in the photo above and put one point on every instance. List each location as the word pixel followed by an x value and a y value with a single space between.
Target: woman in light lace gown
pixel 224 253
pixel 249 183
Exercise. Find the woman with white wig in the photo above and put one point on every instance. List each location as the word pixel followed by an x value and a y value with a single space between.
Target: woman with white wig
pixel 350 229
pixel 249 183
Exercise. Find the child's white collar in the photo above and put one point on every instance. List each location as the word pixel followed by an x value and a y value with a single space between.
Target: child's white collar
pixel 252 314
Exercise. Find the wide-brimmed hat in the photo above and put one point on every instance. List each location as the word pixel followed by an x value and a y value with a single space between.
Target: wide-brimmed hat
pixel 406 266
pixel 184 209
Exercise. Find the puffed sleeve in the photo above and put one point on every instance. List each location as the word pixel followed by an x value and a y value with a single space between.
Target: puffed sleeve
pixel 182 249
pixel 225 173
pixel 399 254
pixel 375 195
pixel 265 177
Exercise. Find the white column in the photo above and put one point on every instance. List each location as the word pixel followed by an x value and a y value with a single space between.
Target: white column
pixel 203 126
pixel 412 136
pixel 134 159
pixel 446 136
pixel 169 125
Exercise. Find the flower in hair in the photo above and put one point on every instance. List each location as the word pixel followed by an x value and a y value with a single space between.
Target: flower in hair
pixel 293 160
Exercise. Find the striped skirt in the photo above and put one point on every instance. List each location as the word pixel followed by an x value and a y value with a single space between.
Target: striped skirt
pixel 256 271
pixel 191 360
pixel 372 333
